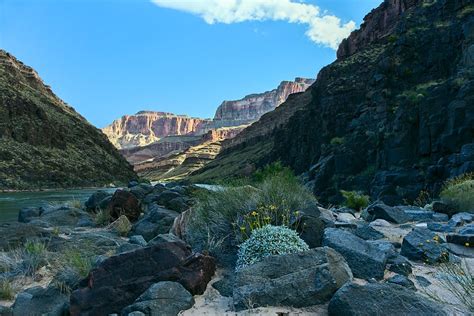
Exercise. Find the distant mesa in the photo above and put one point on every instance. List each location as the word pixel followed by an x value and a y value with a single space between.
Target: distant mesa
pixel 156 142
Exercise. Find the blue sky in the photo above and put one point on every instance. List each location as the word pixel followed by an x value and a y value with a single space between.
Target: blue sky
pixel 107 58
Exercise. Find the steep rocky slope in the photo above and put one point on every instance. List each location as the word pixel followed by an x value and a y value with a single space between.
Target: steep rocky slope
pixel 393 115
pixel 147 127
pixel 178 164
pixel 44 143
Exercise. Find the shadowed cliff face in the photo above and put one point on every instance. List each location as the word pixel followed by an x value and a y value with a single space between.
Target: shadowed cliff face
pixel 392 116
pixel 44 143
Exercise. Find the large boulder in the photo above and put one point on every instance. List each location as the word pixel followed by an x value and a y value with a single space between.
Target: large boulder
pixel 119 280
pixel 15 234
pixel 64 216
pixel 381 299
pixel 157 221
pixel 124 203
pixel 94 202
pixel 40 301
pixel 366 259
pixel 27 214
pixel 388 213
pixel 299 279
pixel 424 245
pixel 163 298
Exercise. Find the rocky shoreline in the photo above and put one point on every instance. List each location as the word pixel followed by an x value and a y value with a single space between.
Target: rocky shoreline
pixel 63 260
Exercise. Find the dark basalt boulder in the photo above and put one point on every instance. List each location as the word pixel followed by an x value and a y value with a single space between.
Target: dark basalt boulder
pixel 41 301
pixel 94 202
pixel 424 245
pixel 157 221
pixel 299 279
pixel 399 264
pixel 163 298
pixel 119 280
pixel 124 203
pixel 381 299
pixel 14 235
pixel 388 213
pixel 366 260
pixel 402 280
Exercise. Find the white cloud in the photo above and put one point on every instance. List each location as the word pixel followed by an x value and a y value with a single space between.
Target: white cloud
pixel 327 30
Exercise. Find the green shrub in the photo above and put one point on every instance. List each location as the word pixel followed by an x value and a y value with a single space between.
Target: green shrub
pixel 34 256
pixel 337 141
pixel 102 218
pixel 459 192
pixel 355 200
pixel 78 261
pixel 266 241
pixel 272 170
pixel 6 290
pixel 221 214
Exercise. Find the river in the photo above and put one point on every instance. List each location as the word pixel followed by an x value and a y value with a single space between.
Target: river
pixel 12 202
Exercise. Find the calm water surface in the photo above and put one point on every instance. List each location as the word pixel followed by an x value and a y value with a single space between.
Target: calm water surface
pixel 11 203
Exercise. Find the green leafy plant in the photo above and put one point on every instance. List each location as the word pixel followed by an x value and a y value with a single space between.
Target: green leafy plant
pixel 459 192
pixel 34 256
pixel 6 290
pixel 272 170
pixel 337 141
pixel 266 241
pixel 265 215
pixel 216 213
pixel 355 200
pixel 102 217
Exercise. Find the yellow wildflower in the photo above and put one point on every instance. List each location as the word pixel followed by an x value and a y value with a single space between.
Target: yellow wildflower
pixel 254 213
pixel 466 244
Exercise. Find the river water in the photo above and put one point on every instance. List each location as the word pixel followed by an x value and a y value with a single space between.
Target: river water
pixel 12 202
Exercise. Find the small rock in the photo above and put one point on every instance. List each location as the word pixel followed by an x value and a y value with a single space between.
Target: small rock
pixel 94 201
pixel 388 213
pixel 137 240
pixel 127 247
pixel 403 281
pixel 460 219
pixel 424 245
pixel 164 238
pixel 366 232
pixel 460 250
pixel 380 223
pixel 163 298
pixel 440 227
pixel 5 311
pixel 422 281
pixel 399 264
pixel 26 214
pixel 157 221
pixel 442 207
pixel 466 240
pixel 345 217
pixel 467 230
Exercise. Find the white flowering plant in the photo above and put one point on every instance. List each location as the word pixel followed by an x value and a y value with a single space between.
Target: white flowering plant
pixel 267 241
